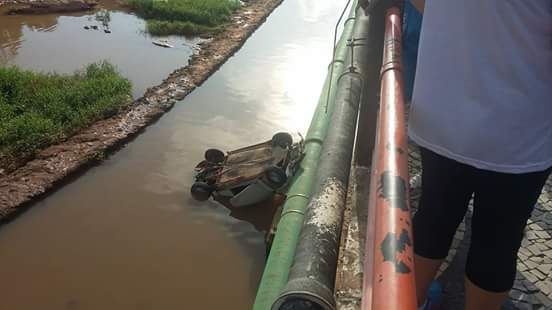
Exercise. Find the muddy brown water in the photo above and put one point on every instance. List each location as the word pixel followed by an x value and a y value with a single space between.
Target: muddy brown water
pixel 126 234
pixel 60 43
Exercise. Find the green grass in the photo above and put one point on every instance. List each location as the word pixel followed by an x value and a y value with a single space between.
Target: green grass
pixel 38 109
pixel 184 17
pixel 165 28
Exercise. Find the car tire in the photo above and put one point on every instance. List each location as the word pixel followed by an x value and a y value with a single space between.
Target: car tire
pixel 214 156
pixel 275 177
pixel 282 139
pixel 201 191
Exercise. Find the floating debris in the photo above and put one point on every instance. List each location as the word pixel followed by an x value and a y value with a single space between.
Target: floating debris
pixel 162 43
pixel 87 27
pixel 95 27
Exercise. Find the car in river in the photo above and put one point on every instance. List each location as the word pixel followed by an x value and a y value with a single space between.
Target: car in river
pixel 248 175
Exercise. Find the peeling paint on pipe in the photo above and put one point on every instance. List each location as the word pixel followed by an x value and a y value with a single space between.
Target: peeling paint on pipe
pixel 279 262
pixel 389 282
pixel 312 276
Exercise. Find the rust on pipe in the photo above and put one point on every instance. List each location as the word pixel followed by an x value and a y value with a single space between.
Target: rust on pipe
pixel 389 282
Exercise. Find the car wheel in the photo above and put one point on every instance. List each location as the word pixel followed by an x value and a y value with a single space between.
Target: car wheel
pixel 201 191
pixel 282 139
pixel 275 177
pixel 214 156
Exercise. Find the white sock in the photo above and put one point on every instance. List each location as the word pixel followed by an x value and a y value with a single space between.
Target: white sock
pixel 423 306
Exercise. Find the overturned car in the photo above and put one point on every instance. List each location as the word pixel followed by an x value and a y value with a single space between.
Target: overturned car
pixel 248 175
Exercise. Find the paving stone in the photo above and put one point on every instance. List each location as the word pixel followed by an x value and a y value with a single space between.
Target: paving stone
pixel 517 295
pixel 545 268
pixel 526 252
pixel 542 234
pixel 530 277
pixel 521 267
pixel 460 235
pixel 531 264
pixel 548 253
pixel 545 287
pixel 531 235
pixel 544 300
pixel 531 299
pixel 523 306
pixel 541 276
pixel 522 257
pixel 531 288
pixel 534 258
pixel 534 249
pixel 508 305
pixel 520 286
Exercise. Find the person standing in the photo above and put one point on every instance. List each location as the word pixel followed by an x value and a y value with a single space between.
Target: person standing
pixel 481 114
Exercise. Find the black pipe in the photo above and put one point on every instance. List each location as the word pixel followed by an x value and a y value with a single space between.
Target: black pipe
pixel 312 276
pixel 369 107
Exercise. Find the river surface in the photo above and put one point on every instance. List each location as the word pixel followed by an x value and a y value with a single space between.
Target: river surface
pixel 126 234
pixel 60 43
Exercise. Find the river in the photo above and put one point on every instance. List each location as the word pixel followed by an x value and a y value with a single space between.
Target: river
pixel 57 43
pixel 126 234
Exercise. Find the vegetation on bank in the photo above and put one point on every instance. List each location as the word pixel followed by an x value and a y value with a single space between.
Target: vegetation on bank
pixel 38 109
pixel 184 17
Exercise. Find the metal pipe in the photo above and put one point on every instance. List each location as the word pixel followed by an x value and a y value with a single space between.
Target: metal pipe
pixel 368 114
pixel 389 282
pixel 283 247
pixel 312 276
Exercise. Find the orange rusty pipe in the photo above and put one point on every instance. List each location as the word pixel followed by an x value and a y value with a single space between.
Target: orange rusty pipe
pixel 389 282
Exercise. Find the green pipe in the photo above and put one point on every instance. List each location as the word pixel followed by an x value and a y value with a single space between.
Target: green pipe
pixel 281 255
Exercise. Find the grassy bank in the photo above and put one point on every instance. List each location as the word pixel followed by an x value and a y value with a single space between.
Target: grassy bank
pixel 184 17
pixel 39 109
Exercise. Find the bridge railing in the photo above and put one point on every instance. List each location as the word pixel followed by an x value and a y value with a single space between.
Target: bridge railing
pixel 389 281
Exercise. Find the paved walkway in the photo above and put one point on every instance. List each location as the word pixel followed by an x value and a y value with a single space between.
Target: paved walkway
pixel 533 287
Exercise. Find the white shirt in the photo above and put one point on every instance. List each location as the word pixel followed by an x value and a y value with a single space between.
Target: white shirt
pixel 483 90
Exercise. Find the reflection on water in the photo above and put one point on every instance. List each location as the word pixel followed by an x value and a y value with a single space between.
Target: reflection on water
pixel 11 33
pixel 62 44
pixel 127 235
pixel 312 10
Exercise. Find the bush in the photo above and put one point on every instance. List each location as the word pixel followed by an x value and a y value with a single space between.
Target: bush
pixel 164 28
pixel 38 109
pixel 184 17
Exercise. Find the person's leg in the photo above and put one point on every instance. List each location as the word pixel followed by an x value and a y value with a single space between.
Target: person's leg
pixel 503 204
pixel 446 191
pixel 477 298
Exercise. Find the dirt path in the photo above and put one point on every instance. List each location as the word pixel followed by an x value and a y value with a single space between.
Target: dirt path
pixel 56 163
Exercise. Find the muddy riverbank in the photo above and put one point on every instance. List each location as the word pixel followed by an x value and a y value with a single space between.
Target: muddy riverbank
pixel 56 163
pixel 45 6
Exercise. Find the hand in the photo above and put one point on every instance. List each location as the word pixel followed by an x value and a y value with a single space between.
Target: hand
pixel 364 4
pixel 370 6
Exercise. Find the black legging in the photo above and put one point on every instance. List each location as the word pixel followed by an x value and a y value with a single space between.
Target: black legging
pixel 503 203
